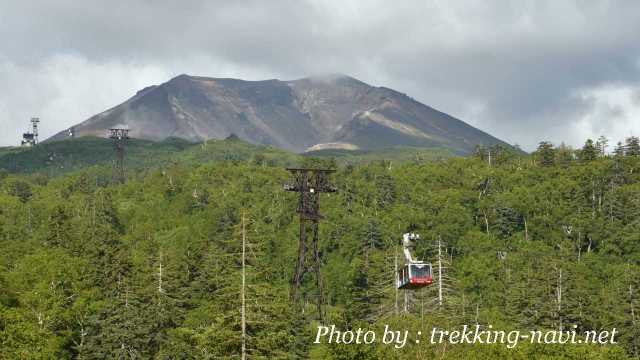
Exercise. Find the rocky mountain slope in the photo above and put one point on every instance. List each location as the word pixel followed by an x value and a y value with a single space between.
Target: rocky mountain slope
pixel 316 113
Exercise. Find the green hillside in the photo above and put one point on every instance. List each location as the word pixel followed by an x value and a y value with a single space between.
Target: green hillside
pixel 60 157
pixel 151 268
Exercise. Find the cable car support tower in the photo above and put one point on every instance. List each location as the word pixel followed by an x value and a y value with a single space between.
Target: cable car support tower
pixel 309 184
pixel 119 137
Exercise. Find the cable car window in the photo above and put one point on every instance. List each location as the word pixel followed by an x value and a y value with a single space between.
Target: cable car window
pixel 420 271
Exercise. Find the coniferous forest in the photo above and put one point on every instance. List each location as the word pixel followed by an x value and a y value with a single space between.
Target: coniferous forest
pixel 151 268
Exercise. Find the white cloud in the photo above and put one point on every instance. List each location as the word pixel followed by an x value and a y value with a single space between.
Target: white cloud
pixel 615 112
pixel 65 90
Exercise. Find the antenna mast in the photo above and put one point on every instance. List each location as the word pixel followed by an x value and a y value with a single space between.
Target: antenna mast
pixel 309 183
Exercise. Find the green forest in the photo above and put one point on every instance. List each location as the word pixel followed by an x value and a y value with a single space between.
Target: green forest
pixel 91 268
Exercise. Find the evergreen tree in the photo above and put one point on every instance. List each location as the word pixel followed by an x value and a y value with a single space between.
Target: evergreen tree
pixel 619 150
pixel 602 145
pixel 368 270
pixel 546 153
pixel 589 151
pixel 20 189
pixel 632 146
pixel 59 228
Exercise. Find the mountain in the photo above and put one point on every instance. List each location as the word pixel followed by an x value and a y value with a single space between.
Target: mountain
pixel 309 114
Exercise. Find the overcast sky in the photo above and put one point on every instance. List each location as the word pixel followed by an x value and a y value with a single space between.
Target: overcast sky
pixel 524 71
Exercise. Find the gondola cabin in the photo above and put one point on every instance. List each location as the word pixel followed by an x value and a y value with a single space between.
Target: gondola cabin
pixel 414 276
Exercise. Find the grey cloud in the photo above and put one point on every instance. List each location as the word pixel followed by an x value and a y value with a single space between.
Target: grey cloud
pixel 510 69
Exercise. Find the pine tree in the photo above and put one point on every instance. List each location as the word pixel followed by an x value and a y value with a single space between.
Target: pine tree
pixel 546 153
pixel 101 231
pixel 631 317
pixel 632 146
pixel 371 237
pixel 20 189
pixel 59 228
pixel 602 145
pixel 619 150
pixel 366 266
pixel 500 154
pixel 267 312
pixel 386 191
pixel 589 151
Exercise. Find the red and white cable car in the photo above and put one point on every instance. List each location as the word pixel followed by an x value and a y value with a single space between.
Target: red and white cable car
pixel 414 274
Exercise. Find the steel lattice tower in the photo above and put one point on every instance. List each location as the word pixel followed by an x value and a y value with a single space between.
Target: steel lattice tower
pixel 34 122
pixel 119 137
pixel 309 183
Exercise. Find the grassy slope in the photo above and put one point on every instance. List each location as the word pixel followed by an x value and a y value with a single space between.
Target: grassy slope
pixel 395 153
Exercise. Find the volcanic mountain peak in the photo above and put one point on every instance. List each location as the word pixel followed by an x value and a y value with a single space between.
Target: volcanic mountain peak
pixel 329 111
